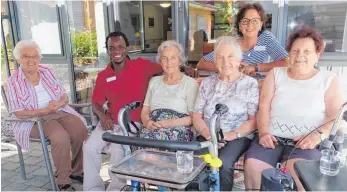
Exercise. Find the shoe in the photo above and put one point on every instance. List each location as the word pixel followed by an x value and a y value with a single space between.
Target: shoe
pixel 78 178
pixel 66 187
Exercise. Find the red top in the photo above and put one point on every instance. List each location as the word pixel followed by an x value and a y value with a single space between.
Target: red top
pixel 125 87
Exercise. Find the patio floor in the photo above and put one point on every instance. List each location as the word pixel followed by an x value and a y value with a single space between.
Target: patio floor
pixel 37 179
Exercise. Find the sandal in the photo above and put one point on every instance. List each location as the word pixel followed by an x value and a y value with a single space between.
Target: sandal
pixel 239 180
pixel 238 165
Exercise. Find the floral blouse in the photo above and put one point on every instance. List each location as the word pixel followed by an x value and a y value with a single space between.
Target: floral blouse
pixel 241 97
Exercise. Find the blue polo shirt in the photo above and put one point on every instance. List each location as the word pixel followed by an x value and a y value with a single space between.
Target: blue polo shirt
pixel 267 49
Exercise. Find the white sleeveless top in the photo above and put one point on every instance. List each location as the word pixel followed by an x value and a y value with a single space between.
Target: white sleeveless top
pixel 43 98
pixel 298 106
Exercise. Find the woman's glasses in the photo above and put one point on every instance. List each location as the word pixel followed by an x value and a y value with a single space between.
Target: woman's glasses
pixel 167 59
pixel 253 21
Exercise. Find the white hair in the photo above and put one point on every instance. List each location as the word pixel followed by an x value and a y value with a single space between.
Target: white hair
pixel 231 41
pixel 172 43
pixel 25 44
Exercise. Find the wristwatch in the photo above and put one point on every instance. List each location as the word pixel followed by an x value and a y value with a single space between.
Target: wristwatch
pixel 256 68
pixel 238 135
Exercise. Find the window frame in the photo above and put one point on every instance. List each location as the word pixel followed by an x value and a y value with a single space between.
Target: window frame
pixel 335 59
pixel 49 58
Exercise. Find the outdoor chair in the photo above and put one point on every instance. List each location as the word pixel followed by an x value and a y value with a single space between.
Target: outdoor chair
pixel 44 141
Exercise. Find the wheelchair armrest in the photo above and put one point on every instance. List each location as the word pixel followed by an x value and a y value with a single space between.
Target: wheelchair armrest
pixel 144 142
pixel 34 119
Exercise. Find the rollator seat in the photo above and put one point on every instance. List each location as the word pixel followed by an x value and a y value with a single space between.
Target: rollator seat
pixel 157 168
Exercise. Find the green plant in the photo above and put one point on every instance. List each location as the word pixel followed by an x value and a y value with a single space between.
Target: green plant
pixel 10 59
pixel 85 49
pixel 9 50
pixel 224 14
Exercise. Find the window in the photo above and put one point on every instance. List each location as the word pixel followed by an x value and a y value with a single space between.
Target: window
pixel 209 20
pixel 146 24
pixel 329 18
pixel 130 19
pixel 38 21
pixel 88 34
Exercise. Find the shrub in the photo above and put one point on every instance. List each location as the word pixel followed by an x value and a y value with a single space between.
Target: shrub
pixel 85 49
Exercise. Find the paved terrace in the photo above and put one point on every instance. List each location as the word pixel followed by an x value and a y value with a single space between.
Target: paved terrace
pixel 36 172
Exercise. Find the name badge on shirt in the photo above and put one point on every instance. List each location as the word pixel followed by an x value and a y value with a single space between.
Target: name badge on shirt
pixel 259 48
pixel 111 79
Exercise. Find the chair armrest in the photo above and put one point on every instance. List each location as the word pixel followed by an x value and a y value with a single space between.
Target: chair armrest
pixel 80 105
pixel 34 119
pixel 93 117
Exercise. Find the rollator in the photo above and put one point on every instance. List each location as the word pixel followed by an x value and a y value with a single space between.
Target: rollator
pixel 159 168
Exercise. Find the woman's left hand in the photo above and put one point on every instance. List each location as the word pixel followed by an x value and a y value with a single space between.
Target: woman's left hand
pixel 310 142
pixel 165 123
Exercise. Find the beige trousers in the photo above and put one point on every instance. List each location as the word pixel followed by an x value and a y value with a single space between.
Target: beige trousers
pixel 66 133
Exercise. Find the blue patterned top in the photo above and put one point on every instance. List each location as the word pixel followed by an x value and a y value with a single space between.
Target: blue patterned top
pixel 241 97
pixel 266 50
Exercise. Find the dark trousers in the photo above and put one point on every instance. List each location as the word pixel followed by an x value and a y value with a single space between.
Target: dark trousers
pixel 229 155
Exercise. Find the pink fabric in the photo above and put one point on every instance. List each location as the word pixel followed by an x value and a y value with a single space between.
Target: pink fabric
pixel 21 95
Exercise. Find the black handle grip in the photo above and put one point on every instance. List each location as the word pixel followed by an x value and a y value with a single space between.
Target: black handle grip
pixel 133 105
pixel 144 142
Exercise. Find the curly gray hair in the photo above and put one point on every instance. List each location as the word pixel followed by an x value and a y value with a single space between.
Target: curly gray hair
pixel 24 44
pixel 227 40
pixel 172 43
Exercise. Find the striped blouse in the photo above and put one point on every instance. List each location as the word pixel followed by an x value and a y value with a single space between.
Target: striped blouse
pixel 266 50
pixel 21 95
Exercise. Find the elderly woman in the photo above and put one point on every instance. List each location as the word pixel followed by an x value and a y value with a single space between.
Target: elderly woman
pixel 240 93
pixel 295 102
pixel 261 50
pixel 33 90
pixel 169 101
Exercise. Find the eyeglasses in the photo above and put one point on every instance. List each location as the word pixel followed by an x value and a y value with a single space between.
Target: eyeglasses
pixel 253 21
pixel 166 59
pixel 27 57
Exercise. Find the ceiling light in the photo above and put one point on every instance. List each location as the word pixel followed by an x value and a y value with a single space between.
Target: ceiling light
pixel 165 5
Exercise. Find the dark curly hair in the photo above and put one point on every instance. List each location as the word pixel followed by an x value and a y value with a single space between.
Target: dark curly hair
pixel 242 12
pixel 306 32
pixel 117 34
